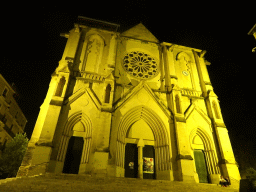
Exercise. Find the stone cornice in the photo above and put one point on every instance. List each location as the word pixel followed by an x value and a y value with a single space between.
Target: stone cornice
pixel 191 93
pixel 180 46
pixel 88 76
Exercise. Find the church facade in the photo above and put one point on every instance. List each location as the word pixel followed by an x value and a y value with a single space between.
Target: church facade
pixel 126 105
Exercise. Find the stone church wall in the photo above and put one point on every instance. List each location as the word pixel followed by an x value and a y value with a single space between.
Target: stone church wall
pixel 107 86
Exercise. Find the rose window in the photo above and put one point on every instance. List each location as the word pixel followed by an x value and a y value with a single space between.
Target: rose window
pixel 140 65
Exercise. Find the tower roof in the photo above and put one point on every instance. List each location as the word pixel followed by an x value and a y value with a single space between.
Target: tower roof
pixel 140 32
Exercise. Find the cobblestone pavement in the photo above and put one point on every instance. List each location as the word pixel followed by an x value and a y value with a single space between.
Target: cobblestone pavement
pixel 87 183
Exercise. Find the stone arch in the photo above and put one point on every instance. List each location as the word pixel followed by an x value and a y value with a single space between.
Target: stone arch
pixel 183 54
pixel 85 132
pixel 209 151
pixel 93 53
pixel 162 145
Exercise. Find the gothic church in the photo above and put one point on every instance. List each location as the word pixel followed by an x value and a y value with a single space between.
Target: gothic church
pixel 126 105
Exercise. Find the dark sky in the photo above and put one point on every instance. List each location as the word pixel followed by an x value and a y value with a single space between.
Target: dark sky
pixel 32 48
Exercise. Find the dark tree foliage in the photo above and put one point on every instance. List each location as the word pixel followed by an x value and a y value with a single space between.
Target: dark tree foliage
pixel 13 154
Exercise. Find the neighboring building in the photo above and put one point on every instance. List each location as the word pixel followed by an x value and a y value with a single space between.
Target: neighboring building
pixel 126 105
pixel 253 32
pixel 12 120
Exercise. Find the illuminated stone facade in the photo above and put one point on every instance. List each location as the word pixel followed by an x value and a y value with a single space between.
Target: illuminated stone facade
pixel 12 119
pixel 113 91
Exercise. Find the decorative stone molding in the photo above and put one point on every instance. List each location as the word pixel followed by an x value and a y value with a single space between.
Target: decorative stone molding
pixel 187 157
pixel 140 65
pixel 88 76
pixel 207 83
pixel 68 132
pixel 191 93
pixel 56 101
pixel 174 77
pixel 158 128
pixel 223 161
pixel 42 143
pixel 210 154
pixel 220 124
pixel 180 119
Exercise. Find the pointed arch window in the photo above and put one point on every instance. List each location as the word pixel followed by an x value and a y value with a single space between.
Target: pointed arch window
pixel 107 93
pixel 60 87
pixel 93 53
pixel 216 111
pixel 177 102
pixel 5 92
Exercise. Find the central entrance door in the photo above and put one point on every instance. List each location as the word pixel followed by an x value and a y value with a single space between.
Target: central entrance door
pixel 201 167
pixel 73 156
pixel 149 162
pixel 131 160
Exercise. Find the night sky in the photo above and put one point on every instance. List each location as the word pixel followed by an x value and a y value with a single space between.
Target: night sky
pixel 32 47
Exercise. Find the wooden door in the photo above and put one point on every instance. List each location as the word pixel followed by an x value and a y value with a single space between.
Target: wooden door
pixel 73 155
pixel 201 167
pixel 131 160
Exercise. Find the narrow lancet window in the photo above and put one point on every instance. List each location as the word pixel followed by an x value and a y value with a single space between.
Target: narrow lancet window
pixel 60 87
pixel 177 101
pixel 217 115
pixel 93 54
pixel 107 93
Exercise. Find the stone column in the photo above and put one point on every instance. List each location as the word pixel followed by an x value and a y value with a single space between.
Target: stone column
pixel 140 146
pixel 112 52
pixel 169 55
pixel 183 156
pixel 140 162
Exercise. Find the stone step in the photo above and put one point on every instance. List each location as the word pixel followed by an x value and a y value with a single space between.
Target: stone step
pixel 77 183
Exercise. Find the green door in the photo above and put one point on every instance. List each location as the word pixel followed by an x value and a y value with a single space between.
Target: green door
pixel 201 168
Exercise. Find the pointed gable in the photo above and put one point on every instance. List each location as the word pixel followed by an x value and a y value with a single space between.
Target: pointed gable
pixel 140 32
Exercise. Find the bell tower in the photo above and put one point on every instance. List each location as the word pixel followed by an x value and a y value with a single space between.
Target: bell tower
pixel 84 76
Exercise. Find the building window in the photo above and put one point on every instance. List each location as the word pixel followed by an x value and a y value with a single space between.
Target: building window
pixel 177 101
pixel 11 127
pixel 5 92
pixel 93 54
pixel 60 87
pixel 4 119
pixel 216 111
pixel 140 64
pixel 107 93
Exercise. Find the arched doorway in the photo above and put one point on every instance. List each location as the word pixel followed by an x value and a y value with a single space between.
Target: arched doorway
pixel 141 140
pixel 76 138
pixel 201 140
pixel 73 155
pixel 160 143
pixel 199 158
